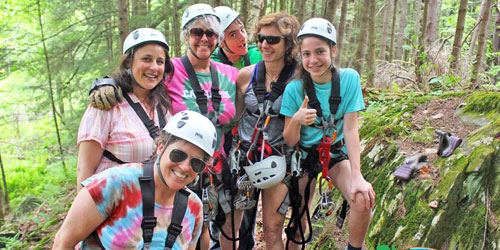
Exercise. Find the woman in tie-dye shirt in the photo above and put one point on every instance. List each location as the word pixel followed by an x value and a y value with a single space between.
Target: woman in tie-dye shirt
pixel 108 211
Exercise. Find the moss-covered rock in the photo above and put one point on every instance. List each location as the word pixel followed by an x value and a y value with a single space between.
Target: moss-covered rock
pixel 465 188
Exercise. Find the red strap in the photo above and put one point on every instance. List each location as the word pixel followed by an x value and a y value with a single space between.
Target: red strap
pixel 216 167
pixel 324 155
pixel 234 131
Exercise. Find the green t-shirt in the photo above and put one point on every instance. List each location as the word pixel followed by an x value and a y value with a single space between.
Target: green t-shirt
pixel 253 54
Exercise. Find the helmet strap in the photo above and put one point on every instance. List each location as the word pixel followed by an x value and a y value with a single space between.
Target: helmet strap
pixel 226 48
pixel 158 169
pixel 129 71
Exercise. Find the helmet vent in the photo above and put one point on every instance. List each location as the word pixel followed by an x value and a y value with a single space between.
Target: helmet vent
pixel 181 124
pixel 258 173
pixel 273 164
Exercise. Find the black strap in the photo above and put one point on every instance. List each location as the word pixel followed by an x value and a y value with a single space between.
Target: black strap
pixel 223 58
pixel 201 98
pixel 175 228
pixel 112 157
pixel 334 99
pixel 343 213
pixel 150 124
pixel 147 184
pixel 277 88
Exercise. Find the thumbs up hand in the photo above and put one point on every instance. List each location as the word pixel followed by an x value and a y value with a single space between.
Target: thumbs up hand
pixel 305 116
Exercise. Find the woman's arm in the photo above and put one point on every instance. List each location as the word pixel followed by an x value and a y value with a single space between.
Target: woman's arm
pixel 82 219
pixel 358 183
pixel 89 157
pixel 303 116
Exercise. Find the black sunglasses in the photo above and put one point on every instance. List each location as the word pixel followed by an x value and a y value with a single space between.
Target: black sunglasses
pixel 177 155
pixel 269 39
pixel 197 33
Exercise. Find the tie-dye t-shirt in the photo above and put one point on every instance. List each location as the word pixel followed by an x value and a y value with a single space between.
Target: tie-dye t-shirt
pixel 117 195
pixel 183 98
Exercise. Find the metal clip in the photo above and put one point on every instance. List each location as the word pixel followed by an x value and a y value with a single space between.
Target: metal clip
pixel 207 206
pixel 235 161
pixel 326 205
pixel 295 164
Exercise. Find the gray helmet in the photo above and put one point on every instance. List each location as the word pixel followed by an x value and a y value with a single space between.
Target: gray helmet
pixel 226 16
pixel 142 36
pixel 318 27
pixel 195 11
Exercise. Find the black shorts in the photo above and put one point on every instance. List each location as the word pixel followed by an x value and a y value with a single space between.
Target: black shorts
pixel 312 165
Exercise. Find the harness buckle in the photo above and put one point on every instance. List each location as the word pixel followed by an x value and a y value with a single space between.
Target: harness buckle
pixel 295 164
pixel 235 160
pixel 207 206
pixel 326 205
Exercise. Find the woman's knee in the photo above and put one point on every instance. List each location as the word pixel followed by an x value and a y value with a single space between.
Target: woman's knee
pixel 359 205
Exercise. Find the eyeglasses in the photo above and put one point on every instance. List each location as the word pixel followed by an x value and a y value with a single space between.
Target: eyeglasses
pixel 197 33
pixel 177 155
pixel 269 39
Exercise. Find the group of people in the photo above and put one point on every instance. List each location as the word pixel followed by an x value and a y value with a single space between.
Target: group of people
pixel 175 152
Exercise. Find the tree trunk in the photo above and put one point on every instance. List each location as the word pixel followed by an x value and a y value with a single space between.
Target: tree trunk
pixel 51 91
pixel 385 29
pixel 496 41
pixel 401 31
pixel 300 10
pixel 254 15
pixel 5 196
pixel 331 11
pixel 341 29
pixel 324 3
pixel 166 27
pixel 421 55
pixel 372 39
pixel 433 21
pixel 313 9
pixel 244 11
pixel 417 29
pixel 109 43
pixel 393 29
pixel 457 43
pixel 481 42
pixel 361 50
pixel 282 5
pixel 177 29
pixel 122 21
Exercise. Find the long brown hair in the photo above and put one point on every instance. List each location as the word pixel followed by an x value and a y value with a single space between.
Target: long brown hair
pixel 158 93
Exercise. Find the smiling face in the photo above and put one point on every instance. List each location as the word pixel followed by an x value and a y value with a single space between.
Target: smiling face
pixel 179 174
pixel 235 38
pixel 148 65
pixel 271 52
pixel 316 58
pixel 202 46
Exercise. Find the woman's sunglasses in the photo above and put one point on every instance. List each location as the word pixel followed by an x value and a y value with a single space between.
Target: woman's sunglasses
pixel 269 39
pixel 197 33
pixel 177 155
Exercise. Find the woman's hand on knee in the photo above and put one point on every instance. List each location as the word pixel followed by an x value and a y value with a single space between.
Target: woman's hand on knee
pixel 362 192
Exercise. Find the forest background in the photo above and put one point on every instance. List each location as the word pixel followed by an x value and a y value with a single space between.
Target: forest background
pixel 53 50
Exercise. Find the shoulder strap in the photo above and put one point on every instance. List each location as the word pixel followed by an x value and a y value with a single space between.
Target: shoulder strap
pixel 147 183
pixel 259 83
pixel 201 98
pixel 175 228
pixel 334 99
pixel 150 124
pixel 112 157
pixel 246 58
pixel 223 58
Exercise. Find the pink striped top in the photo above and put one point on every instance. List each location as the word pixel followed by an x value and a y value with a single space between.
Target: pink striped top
pixel 118 130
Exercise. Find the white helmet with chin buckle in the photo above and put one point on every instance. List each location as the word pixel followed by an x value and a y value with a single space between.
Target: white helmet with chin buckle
pixel 319 27
pixel 194 128
pixel 226 16
pixel 268 172
pixel 142 36
pixel 195 11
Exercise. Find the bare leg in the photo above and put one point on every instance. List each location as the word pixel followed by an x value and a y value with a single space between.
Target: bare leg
pixel 304 221
pixel 273 221
pixel 227 244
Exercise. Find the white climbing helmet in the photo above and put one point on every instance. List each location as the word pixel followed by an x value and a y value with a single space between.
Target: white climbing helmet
pixel 194 128
pixel 319 27
pixel 195 11
pixel 142 36
pixel 226 16
pixel 268 172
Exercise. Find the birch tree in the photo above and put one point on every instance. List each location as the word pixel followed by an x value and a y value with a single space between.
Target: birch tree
pixel 457 42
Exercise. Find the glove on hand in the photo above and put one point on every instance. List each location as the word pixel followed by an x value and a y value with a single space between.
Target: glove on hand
pixel 105 97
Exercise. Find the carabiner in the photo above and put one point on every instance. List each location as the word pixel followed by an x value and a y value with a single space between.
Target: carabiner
pixel 295 164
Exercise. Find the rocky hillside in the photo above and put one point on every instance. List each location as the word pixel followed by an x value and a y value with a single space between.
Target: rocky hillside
pixel 451 203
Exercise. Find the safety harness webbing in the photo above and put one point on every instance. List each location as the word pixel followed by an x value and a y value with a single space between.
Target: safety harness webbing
pixel 147 184
pixel 225 60
pixel 148 123
pixel 201 98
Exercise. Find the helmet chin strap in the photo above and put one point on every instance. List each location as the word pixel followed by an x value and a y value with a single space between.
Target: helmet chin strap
pixel 226 48
pixel 158 169
pixel 129 71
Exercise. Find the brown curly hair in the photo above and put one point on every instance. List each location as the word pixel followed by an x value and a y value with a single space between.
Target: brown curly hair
pixel 289 26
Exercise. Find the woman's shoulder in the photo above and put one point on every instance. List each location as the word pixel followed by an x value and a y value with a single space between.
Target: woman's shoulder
pixel 348 73
pixel 294 84
pixel 224 67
